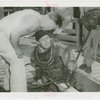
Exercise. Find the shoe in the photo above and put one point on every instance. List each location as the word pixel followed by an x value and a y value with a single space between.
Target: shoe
pixel 89 70
pixel 83 67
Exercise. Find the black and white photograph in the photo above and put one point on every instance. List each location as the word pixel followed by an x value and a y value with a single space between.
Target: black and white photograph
pixel 49 49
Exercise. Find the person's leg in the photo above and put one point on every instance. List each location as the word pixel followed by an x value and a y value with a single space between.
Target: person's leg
pixel 88 60
pixel 88 54
pixel 17 68
pixel 69 77
pixel 6 77
pixel 72 67
pixel 18 76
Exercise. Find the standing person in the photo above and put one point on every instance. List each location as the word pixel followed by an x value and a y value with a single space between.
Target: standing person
pixel 52 59
pixel 12 28
pixel 91 20
pixel 83 11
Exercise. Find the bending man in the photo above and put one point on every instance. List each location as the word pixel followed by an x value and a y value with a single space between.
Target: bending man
pixel 14 26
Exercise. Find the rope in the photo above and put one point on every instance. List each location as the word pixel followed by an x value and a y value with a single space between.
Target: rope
pixel 83 45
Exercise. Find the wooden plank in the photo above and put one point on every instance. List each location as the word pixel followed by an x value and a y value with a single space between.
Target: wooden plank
pixel 77 27
pixel 66 37
pixel 68 43
pixel 2 73
pixel 90 76
pixel 98 78
pixel 94 71
pixel 71 89
pixel 2 68
pixel 70 31
pixel 95 75
pixel 29 69
pixel 95 67
pixel 83 82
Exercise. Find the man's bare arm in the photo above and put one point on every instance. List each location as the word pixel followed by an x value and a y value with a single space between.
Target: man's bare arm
pixel 15 38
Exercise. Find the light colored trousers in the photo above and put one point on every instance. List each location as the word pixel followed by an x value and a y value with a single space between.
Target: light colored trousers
pixel 17 68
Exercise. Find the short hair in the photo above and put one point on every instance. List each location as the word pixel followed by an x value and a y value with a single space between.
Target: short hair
pixel 55 16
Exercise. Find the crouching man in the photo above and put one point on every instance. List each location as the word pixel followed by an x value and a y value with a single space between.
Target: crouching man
pixel 53 61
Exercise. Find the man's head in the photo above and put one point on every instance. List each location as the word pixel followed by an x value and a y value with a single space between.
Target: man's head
pixel 43 38
pixel 91 19
pixel 56 17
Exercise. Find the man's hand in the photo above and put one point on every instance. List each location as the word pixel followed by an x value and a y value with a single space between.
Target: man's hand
pixel 39 82
pixel 58 31
pixel 19 53
pixel 62 87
